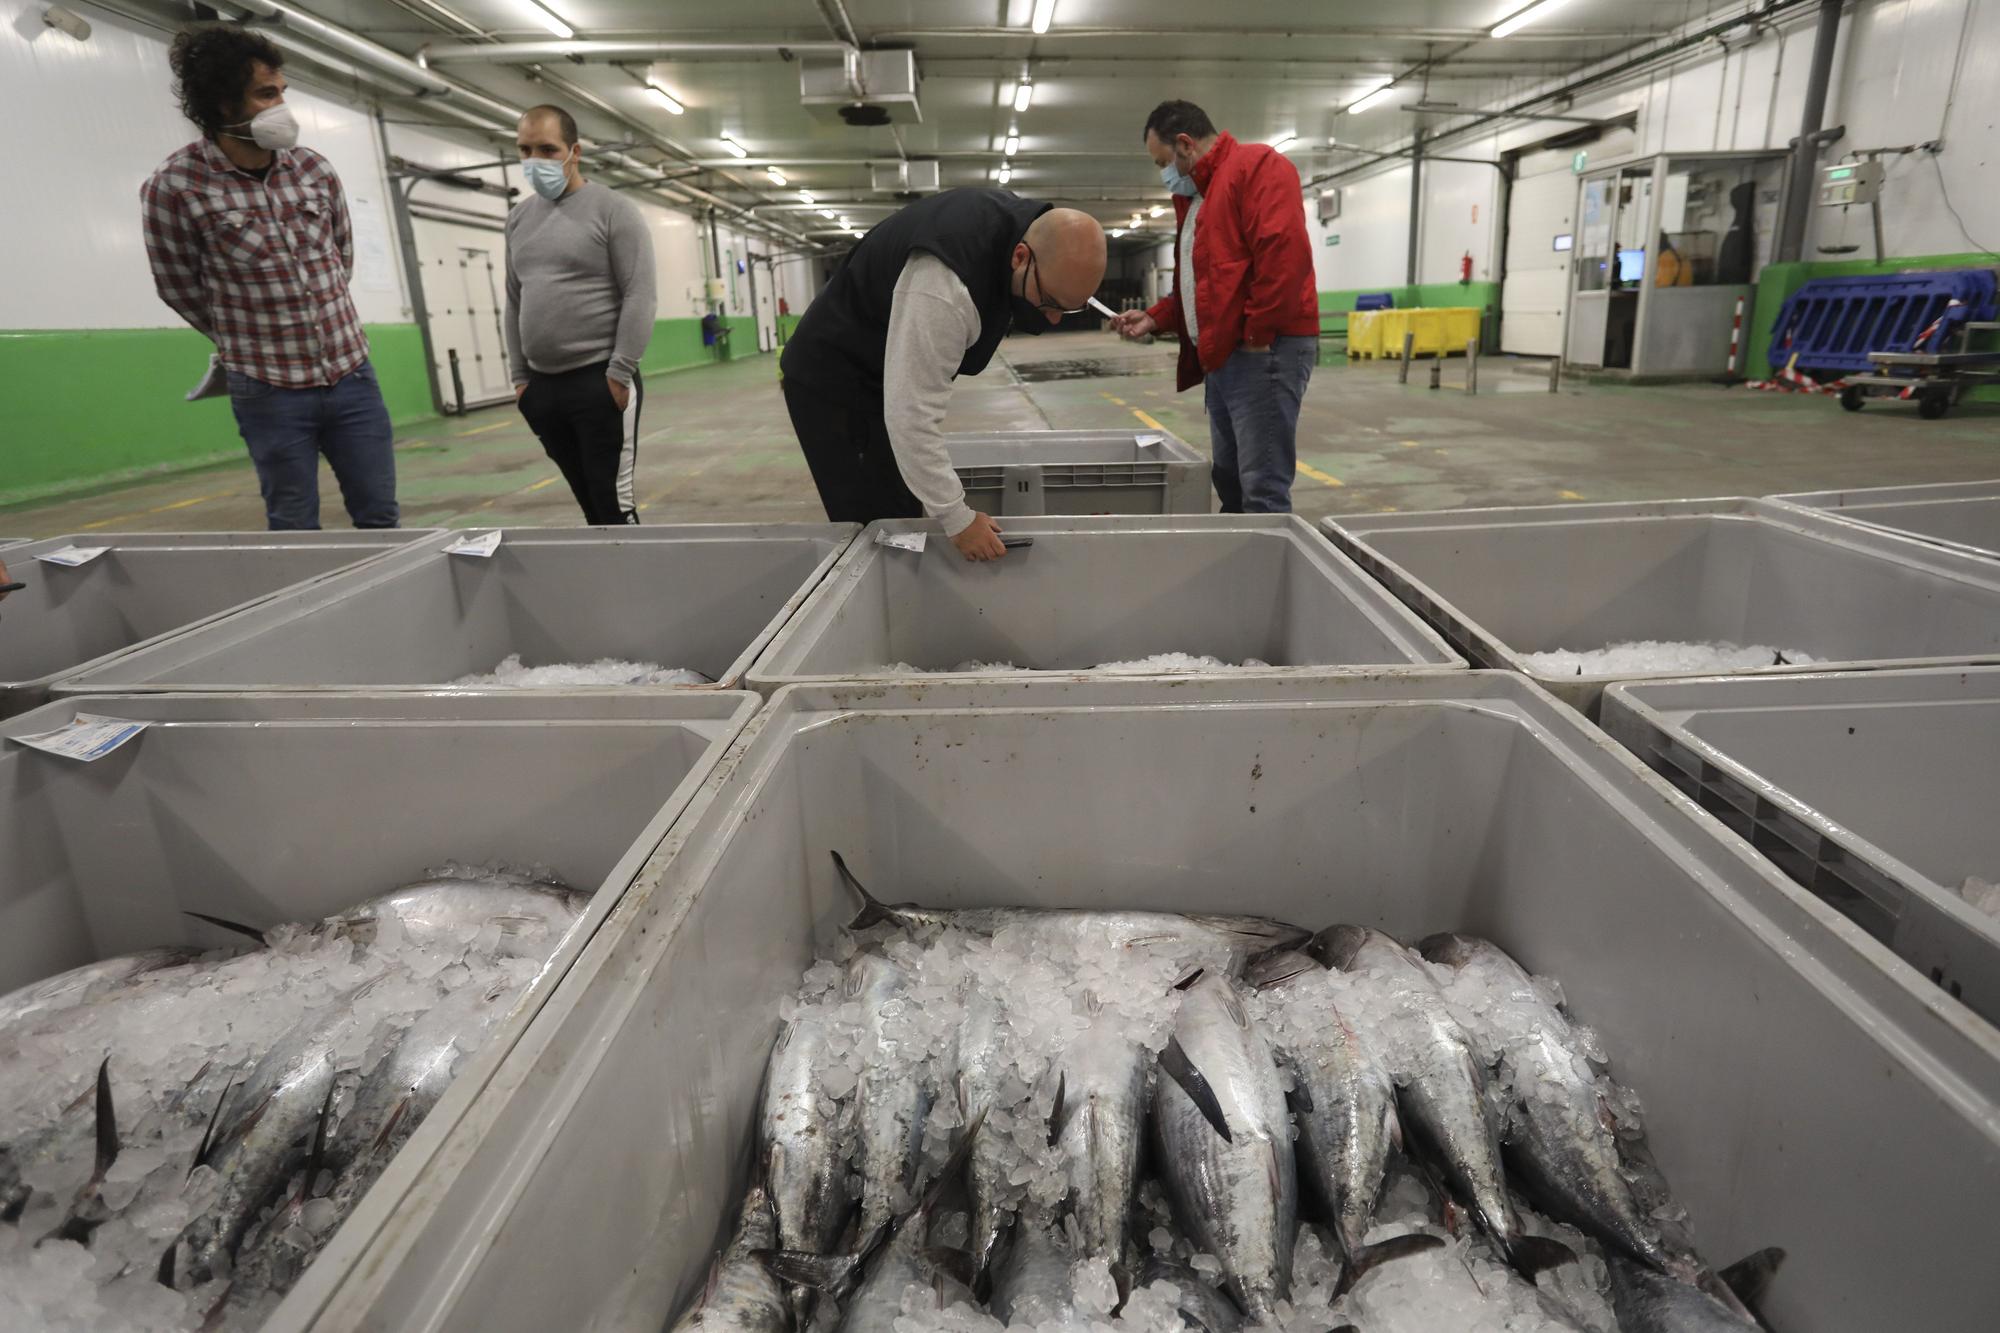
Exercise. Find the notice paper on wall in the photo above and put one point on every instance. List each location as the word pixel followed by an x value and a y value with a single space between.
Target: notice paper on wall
pixel 87 738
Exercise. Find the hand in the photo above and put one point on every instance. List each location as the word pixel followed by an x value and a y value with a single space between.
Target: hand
pixel 621 394
pixel 1256 347
pixel 980 540
pixel 1134 324
pixel 519 389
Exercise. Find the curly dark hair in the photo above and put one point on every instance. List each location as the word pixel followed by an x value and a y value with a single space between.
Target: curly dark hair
pixel 211 63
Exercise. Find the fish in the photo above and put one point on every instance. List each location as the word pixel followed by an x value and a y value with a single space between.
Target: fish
pixel 263 1128
pixel 742 1295
pixel 1032 1283
pixel 1649 1301
pixel 63 1139
pixel 1441 1085
pixel 1563 1146
pixel 890 1110
pixel 449 909
pixel 51 995
pixel 805 1153
pixel 1225 1143
pixel 1099 1131
pixel 1204 1308
pixel 1223 943
pixel 1344 1098
pixel 982 1067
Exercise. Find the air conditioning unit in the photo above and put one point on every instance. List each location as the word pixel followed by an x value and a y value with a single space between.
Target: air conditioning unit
pixel 861 87
pixel 916 176
pixel 1329 205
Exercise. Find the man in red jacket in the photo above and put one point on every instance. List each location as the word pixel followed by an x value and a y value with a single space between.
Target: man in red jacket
pixel 1244 303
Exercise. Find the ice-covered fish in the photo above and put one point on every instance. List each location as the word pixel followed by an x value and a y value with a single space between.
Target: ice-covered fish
pixel 1032 1285
pixel 742 1296
pixel 1222 943
pixel 1205 1309
pixel 1648 1301
pixel 54 994
pixel 891 1099
pixel 983 1068
pixel 1225 1141
pixel 805 1148
pixel 450 909
pixel 1100 1126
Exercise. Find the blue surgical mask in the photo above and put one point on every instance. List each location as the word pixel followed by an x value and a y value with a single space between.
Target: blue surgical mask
pixel 549 179
pixel 1171 177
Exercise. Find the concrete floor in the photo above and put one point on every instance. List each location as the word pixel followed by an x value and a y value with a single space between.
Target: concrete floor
pixel 717 445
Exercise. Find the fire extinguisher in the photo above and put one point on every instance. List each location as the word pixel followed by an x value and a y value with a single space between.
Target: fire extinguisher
pixel 1465 270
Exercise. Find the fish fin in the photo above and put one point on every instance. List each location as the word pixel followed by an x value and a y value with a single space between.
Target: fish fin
pixel 1336 945
pixel 958 1264
pixel 227 924
pixel 873 911
pixel 1750 1277
pixel 714 1278
pixel 1056 1111
pixel 317 1158
pixel 107 1122
pixel 1393 1124
pixel 164 1275
pixel 1779 659
pixel 1187 982
pixel 803 1268
pixel 1529 1255
pixel 1232 1005
pixel 208 1138
pixel 1269 980
pixel 1174 1060
pixel 1370 1257
pixel 1299 1097
pixel 953 1168
pixel 1121 1280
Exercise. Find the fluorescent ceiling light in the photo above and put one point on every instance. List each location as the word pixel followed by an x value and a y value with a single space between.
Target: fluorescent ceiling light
pixel 1012 145
pixel 1044 14
pixel 777 176
pixel 665 98
pixel 551 20
pixel 829 215
pixel 806 196
pixel 1367 100
pixel 1006 174
pixel 1135 219
pixel 1156 210
pixel 1116 232
pixel 1525 15
pixel 1284 142
pixel 734 147
pixel 1024 93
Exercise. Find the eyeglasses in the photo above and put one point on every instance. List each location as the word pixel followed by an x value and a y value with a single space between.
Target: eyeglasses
pixel 1034 267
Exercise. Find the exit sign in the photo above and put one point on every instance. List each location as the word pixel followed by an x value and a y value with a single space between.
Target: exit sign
pixel 1577 163
pixel 1333 238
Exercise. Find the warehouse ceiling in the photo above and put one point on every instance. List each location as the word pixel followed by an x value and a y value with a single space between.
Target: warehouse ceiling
pixel 1264 70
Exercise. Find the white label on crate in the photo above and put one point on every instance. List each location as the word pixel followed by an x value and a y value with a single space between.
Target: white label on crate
pixel 1147 441
pixel 485 544
pixel 87 737
pixel 902 541
pixel 72 555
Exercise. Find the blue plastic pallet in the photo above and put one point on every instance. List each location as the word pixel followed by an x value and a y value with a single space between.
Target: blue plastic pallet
pixel 1832 324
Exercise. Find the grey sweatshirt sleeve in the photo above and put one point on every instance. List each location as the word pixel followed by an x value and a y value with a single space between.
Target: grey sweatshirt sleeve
pixel 932 322
pixel 517 356
pixel 632 274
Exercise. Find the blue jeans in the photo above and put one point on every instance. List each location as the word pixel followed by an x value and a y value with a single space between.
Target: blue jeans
pixel 1253 423
pixel 288 429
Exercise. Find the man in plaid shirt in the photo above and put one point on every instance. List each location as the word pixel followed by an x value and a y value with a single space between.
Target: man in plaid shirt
pixel 251 244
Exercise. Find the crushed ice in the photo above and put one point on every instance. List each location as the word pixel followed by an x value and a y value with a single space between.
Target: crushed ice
pixel 1157 664
pixel 605 671
pixel 1654 655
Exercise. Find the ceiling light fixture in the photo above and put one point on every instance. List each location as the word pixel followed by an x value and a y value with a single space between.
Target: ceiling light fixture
pixel 1370 99
pixel 1283 142
pixel 777 176
pixel 806 196
pixel 1523 16
pixel 1135 220
pixel 736 149
pixel 1156 210
pixel 1116 232
pixel 1024 92
pixel 1044 14
pixel 551 20
pixel 1006 174
pixel 1012 146
pixel 665 98
pixel 829 215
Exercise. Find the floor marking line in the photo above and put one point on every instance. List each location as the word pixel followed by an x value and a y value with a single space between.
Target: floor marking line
pixel 1324 478
pixel 1568 495
pixel 1146 420
pixel 545 481
pixel 479 430
pixel 159 509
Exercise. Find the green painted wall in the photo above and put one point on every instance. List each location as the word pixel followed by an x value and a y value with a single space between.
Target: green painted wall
pixel 1779 281
pixel 1485 295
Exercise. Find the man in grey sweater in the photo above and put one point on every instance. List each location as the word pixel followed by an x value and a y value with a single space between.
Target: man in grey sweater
pixel 580 303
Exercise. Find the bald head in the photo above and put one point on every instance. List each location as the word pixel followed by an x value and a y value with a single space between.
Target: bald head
pixel 1067 248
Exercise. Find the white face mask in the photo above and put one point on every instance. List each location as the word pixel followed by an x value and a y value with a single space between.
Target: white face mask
pixel 549 178
pixel 273 127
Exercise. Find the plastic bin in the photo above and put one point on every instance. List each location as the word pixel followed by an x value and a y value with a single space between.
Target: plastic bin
pixel 1801 1089
pixel 1962 515
pixel 1365 334
pixel 701 596
pixel 1875 791
pixel 1032 472
pixel 265 808
pixel 1095 590
pixel 1504 582
pixel 149 586
pixel 1433 330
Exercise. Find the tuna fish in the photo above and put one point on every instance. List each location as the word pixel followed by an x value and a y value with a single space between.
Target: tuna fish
pixel 742 1296
pixel 1204 1308
pixel 1032 1285
pixel 1648 1301
pixel 1099 1128
pixel 890 1101
pixel 54 994
pixel 804 1150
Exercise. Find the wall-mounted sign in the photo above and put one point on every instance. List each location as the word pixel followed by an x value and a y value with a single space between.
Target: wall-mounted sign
pixel 1565 241
pixel 1333 238
pixel 1577 163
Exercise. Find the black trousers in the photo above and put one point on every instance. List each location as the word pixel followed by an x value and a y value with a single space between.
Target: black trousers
pixel 846 445
pixel 595 445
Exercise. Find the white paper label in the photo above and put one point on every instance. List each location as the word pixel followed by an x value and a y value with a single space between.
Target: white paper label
pixel 72 555
pixel 485 544
pixel 1147 441
pixel 902 541
pixel 88 737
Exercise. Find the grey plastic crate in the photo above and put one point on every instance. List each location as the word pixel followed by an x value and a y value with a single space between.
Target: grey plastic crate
pixel 1801 1087
pixel 1032 472
pixel 1875 791
pixel 1502 583
pixel 262 808
pixel 1095 590
pixel 705 596
pixel 1963 515
pixel 150 586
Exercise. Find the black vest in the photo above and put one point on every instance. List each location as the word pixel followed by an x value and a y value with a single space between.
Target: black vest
pixel 840 339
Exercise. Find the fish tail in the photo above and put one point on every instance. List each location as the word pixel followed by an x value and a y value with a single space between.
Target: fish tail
pixel 873 911
pixel 1368 1258
pixel 227 924
pixel 1174 1061
pixel 1742 1285
pixel 1529 1255
pixel 107 1122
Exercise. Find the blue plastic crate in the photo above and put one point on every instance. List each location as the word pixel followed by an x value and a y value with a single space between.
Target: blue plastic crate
pixel 1375 301
pixel 1832 324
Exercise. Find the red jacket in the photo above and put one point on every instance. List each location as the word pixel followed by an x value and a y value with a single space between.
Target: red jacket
pixel 1253 265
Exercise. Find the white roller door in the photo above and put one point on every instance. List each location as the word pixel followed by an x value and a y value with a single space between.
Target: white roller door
pixel 1536 291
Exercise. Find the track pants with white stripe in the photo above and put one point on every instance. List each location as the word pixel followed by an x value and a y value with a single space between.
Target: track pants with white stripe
pixel 595 445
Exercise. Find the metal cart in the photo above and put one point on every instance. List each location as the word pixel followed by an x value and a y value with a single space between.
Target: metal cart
pixel 1935 380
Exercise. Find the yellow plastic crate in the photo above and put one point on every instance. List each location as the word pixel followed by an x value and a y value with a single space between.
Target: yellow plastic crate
pixel 1364 333
pixel 1436 330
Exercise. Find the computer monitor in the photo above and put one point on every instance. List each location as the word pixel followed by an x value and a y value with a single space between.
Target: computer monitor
pixel 1631 267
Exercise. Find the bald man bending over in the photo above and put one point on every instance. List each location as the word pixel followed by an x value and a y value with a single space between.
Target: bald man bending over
pixel 925 297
